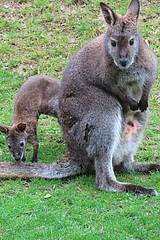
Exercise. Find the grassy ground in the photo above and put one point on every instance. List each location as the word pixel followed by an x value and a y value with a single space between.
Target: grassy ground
pixel 39 37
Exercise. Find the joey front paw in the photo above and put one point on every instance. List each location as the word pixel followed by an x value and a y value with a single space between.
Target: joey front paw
pixel 143 105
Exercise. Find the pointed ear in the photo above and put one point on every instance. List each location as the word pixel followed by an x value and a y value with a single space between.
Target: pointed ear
pixel 109 16
pixel 4 129
pixel 20 127
pixel 134 8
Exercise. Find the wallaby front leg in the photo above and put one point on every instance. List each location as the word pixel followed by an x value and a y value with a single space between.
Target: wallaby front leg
pixel 24 158
pixel 143 103
pixel 35 151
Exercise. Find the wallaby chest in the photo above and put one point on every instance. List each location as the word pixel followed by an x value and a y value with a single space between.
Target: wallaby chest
pixel 131 81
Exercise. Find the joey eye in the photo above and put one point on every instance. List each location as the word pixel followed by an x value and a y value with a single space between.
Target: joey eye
pixel 113 43
pixel 131 42
pixel 21 144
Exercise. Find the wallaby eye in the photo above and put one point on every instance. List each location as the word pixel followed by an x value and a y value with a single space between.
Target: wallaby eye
pixel 9 146
pixel 131 42
pixel 21 144
pixel 113 43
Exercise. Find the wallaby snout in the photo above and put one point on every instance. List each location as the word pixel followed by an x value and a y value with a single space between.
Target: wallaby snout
pixel 123 62
pixel 18 151
pixel 18 156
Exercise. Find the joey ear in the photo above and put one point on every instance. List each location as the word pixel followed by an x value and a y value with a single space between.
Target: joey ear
pixel 109 16
pixel 20 127
pixel 4 129
pixel 134 8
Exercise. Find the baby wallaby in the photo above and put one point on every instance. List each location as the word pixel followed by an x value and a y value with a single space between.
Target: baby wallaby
pixel 38 95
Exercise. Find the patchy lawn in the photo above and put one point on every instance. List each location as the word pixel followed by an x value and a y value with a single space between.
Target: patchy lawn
pixel 40 36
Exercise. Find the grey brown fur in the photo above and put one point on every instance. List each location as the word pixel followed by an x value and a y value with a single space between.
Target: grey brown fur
pixel 94 87
pixel 38 95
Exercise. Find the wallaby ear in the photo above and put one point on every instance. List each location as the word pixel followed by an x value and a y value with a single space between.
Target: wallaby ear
pixel 134 8
pixel 20 127
pixel 4 129
pixel 109 16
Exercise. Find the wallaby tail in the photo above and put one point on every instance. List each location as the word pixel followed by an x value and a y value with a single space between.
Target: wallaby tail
pixel 65 167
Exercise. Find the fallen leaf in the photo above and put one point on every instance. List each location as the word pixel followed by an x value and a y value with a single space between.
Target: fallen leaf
pixel 47 196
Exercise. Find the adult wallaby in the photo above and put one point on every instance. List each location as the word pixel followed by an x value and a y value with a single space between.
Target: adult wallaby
pixel 111 68
pixel 38 95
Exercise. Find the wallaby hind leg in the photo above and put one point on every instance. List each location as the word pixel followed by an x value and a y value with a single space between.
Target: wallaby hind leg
pixel 104 140
pixel 106 180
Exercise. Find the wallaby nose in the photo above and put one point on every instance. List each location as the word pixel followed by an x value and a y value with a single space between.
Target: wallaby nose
pixel 123 62
pixel 17 156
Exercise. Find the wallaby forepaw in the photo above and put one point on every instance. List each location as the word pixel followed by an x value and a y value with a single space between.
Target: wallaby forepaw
pixel 143 105
pixel 23 159
pixel 134 105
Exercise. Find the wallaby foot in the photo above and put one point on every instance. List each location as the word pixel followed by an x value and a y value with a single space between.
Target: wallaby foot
pixel 139 189
pixel 142 167
pixel 114 186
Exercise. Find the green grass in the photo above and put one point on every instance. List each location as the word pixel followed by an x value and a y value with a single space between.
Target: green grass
pixel 39 37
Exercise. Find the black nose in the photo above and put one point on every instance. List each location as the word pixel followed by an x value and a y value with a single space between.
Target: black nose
pixel 123 62
pixel 17 156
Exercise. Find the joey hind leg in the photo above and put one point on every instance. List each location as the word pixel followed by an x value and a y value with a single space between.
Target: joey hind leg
pixel 35 151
